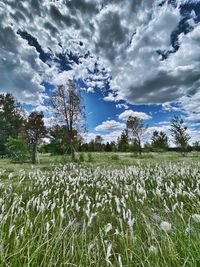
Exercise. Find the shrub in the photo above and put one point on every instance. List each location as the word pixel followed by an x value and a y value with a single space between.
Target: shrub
pixel 90 157
pixel 115 157
pixel 81 157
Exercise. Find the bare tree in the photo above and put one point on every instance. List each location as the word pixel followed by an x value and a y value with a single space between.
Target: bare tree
pixel 136 130
pixel 69 111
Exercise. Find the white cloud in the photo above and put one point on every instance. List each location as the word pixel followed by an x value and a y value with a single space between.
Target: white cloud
pixel 110 125
pixel 124 106
pixel 123 35
pixel 142 115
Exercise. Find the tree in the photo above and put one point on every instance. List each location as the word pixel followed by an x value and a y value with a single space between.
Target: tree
pixel 179 133
pixel 11 119
pixel 159 140
pixel 17 149
pixel 98 143
pixel 196 146
pixel 58 136
pixel 123 141
pixel 67 106
pixel 108 147
pixel 33 132
pixel 136 130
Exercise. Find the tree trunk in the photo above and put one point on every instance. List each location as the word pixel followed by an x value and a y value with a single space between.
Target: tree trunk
pixel 140 147
pixel 34 154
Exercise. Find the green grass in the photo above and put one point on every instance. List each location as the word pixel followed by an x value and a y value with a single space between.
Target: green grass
pixel 107 212
pixel 46 161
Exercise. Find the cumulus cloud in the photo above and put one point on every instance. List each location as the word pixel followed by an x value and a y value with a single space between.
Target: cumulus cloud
pixel 110 125
pixel 123 36
pixel 142 115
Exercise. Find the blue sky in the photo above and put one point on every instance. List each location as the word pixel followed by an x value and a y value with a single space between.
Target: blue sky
pixel 127 57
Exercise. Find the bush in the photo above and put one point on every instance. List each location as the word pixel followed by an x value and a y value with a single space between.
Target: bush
pixel 81 157
pixel 90 157
pixel 115 157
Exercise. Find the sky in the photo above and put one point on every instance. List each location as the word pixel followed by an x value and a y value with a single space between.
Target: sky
pixel 128 57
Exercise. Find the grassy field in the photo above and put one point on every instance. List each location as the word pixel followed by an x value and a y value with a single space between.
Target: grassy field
pixel 118 210
pixel 46 161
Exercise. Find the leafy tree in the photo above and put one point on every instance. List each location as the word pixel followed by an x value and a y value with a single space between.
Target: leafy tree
pixel 17 149
pixel 196 146
pixel 33 132
pixel 58 137
pixel 113 146
pixel 123 141
pixel 91 146
pixel 11 119
pixel 159 140
pixel 98 143
pixel 67 106
pixel 136 130
pixel 108 147
pixel 179 133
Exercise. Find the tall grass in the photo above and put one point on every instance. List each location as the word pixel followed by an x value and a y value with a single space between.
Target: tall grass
pixel 144 215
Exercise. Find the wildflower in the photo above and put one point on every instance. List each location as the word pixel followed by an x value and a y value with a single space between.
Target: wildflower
pixel 108 227
pixel 120 261
pixel 165 226
pixel 108 252
pixel 62 213
pixel 196 218
pixel 152 250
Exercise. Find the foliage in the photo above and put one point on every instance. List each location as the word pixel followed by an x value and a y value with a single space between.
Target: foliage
pixel 11 119
pixel 123 141
pixel 17 149
pixel 115 157
pixel 69 110
pixel 196 146
pixel 81 157
pixel 179 133
pixel 136 130
pixel 33 132
pixel 90 157
pixel 159 141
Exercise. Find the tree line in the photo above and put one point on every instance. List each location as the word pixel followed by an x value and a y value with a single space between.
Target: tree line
pixel 21 135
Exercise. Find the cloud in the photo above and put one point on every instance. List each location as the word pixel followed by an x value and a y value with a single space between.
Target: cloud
pixel 110 125
pixel 124 106
pixel 124 37
pixel 142 115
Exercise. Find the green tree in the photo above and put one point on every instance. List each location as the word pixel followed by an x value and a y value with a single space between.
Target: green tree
pixel 196 146
pixel 17 149
pixel 98 143
pixel 34 131
pixel 11 119
pixel 159 140
pixel 108 147
pixel 123 141
pixel 136 130
pixel 179 134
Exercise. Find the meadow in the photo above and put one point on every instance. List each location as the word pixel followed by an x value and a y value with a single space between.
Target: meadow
pixel 105 210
